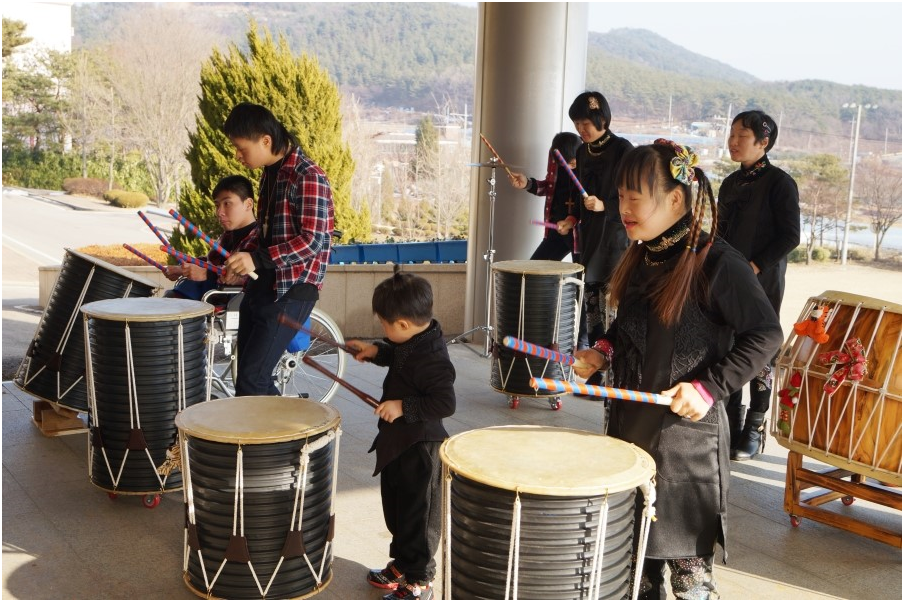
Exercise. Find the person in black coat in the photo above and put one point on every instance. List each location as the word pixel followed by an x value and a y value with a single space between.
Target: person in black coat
pixel 759 215
pixel 692 324
pixel 418 392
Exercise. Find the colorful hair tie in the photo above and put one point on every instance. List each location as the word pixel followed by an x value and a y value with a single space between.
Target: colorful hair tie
pixel 683 163
pixel 593 104
pixel 766 129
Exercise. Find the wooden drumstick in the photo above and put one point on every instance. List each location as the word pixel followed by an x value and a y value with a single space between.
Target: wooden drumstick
pixel 287 321
pixel 495 154
pixel 364 396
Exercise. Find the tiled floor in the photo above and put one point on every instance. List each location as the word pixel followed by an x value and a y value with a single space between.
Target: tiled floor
pixel 63 537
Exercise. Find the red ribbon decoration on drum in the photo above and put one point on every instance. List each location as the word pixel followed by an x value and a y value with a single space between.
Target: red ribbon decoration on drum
pixel 852 361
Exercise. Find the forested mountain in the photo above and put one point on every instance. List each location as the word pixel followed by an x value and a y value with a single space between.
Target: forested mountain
pixel 422 56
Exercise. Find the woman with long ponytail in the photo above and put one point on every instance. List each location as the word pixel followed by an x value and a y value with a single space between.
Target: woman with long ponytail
pixel 692 324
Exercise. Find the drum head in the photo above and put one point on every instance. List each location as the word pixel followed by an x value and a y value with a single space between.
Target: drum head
pixel 257 420
pixel 146 309
pixel 852 299
pixel 547 460
pixel 539 267
pixel 113 268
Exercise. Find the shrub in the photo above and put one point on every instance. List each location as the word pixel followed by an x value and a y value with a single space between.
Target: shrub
pixel 798 255
pixel 821 254
pixel 126 199
pixel 87 186
pixel 859 255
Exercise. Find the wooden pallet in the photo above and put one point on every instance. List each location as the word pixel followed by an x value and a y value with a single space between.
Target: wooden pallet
pixel 53 420
pixel 799 478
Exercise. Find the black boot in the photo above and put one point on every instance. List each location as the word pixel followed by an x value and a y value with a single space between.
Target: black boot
pixel 753 437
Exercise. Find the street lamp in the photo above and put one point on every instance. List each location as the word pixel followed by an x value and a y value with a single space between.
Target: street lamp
pixel 850 202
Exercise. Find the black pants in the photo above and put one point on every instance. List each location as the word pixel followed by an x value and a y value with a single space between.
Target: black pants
pixel 554 247
pixel 262 340
pixel 760 391
pixel 412 506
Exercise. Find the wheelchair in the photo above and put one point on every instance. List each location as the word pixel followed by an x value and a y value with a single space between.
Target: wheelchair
pixel 292 376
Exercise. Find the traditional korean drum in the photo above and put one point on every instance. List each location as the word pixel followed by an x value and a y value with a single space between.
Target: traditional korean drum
pixel 538 302
pixel 838 392
pixel 54 365
pixel 260 479
pixel 147 359
pixel 542 513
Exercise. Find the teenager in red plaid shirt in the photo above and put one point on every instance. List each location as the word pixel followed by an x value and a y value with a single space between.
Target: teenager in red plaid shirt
pixel 295 219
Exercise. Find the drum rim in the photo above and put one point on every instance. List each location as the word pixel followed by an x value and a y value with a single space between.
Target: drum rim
pixel 642 471
pixel 146 309
pixel 854 299
pixel 113 268
pixel 539 267
pixel 209 420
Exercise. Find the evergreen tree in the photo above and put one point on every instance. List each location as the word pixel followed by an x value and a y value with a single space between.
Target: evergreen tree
pixel 300 94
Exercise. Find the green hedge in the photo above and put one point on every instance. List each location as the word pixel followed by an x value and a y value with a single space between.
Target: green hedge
pixel 126 199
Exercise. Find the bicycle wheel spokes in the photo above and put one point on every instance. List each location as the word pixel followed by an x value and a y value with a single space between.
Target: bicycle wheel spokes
pixel 295 378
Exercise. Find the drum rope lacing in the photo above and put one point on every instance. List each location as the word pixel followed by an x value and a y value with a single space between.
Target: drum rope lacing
pixel 238 513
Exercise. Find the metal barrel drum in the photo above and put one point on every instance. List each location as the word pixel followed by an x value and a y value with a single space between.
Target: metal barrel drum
pixel 538 302
pixel 542 513
pixel 53 368
pixel 147 359
pixel 260 480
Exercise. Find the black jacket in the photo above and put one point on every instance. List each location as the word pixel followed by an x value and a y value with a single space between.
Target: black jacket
pixel 422 376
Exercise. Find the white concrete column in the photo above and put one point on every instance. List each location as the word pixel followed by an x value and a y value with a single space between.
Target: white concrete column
pixel 531 64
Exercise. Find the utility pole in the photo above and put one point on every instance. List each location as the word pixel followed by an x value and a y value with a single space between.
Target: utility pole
pixel 850 202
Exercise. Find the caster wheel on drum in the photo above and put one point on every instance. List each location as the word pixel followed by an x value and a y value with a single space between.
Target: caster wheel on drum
pixel 112 495
pixel 514 402
pixel 555 404
pixel 151 501
pixel 847 500
pixel 795 520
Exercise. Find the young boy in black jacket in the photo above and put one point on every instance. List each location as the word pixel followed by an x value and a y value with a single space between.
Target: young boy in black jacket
pixel 418 393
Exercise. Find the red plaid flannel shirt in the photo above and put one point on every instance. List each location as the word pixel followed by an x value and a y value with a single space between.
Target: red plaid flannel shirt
pixel 301 223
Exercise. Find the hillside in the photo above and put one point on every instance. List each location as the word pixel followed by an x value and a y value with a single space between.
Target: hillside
pixel 421 56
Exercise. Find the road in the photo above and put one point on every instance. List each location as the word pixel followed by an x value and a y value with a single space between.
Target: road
pixel 38 227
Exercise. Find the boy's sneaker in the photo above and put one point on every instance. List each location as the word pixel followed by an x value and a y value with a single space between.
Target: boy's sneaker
pixel 388 578
pixel 412 591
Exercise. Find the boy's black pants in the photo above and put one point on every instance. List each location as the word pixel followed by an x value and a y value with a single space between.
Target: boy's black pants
pixel 412 503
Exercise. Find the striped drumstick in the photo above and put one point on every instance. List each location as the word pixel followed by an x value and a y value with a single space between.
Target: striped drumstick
pixel 550 225
pixel 538 351
pixel 153 228
pixel 361 394
pixel 287 321
pixel 156 264
pixel 564 386
pixel 200 234
pixel 567 167
pixel 495 154
pixel 189 259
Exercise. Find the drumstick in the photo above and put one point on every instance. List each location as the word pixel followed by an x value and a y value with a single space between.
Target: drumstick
pixel 564 386
pixel 189 259
pixel 156 264
pixel 364 396
pixel 567 167
pixel 550 225
pixel 153 228
pixel 495 154
pixel 536 350
pixel 197 232
pixel 286 320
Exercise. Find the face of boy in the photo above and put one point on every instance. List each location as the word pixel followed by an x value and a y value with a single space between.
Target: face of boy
pixel 253 153
pixel 232 211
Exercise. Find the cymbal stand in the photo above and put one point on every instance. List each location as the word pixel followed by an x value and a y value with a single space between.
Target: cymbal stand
pixel 486 328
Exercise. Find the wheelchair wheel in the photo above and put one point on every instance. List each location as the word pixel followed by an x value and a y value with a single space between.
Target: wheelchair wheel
pixel 293 377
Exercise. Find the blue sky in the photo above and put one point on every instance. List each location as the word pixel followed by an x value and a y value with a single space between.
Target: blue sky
pixel 843 42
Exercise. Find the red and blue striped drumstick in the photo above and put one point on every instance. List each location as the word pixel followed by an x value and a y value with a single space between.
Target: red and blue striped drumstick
pixel 153 228
pixel 156 264
pixel 567 167
pixel 550 225
pixel 200 234
pixel 564 386
pixel 538 351
pixel 189 259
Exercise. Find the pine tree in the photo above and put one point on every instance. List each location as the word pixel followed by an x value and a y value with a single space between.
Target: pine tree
pixel 300 94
